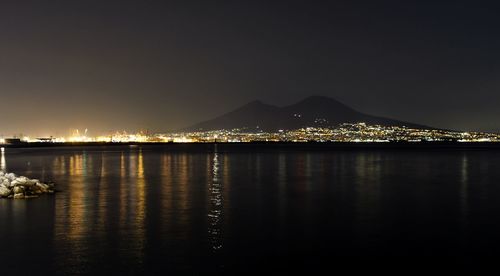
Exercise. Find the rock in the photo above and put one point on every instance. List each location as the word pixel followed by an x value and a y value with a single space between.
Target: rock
pixel 6 183
pixel 20 181
pixel 4 191
pixel 29 183
pixel 44 188
pixel 37 189
pixel 18 189
pixel 10 176
pixel 21 187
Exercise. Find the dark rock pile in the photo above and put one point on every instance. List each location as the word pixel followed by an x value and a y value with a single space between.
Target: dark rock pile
pixel 21 187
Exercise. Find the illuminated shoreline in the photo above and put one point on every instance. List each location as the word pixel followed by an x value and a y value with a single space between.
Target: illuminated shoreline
pixel 343 133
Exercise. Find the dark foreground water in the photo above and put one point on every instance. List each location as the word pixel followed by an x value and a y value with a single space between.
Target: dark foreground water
pixel 201 209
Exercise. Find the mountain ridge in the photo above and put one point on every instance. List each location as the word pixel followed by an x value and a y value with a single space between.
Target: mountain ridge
pixel 312 111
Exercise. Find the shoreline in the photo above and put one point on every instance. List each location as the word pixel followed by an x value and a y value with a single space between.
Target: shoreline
pixel 312 145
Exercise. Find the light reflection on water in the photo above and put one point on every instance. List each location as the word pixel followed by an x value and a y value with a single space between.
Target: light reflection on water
pixel 135 210
pixel 140 200
pixel 3 164
pixel 215 210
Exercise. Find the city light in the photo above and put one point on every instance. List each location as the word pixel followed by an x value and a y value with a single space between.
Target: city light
pixel 348 132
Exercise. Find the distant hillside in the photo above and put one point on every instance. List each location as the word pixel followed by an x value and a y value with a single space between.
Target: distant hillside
pixel 312 111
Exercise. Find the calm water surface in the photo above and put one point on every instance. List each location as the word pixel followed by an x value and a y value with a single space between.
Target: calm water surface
pixel 205 209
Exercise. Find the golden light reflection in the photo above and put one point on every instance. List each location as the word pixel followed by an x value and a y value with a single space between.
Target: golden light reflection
pixel 3 163
pixel 181 202
pixel 85 205
pixel 72 214
pixel 166 190
pixel 141 190
pixel 140 212
pixel 59 164
pixel 226 179
pixel 123 191
pixel 132 202
pixel 182 169
pixel 77 195
pixel 102 200
pixel 61 211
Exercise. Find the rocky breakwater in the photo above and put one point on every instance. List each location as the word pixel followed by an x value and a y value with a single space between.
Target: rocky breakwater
pixel 21 187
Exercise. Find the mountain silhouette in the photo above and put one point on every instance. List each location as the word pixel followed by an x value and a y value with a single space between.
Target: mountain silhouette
pixel 314 111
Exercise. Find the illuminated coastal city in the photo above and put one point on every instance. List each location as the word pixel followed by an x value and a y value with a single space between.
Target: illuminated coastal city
pixel 347 132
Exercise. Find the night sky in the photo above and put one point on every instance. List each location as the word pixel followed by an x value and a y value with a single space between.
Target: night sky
pixel 162 65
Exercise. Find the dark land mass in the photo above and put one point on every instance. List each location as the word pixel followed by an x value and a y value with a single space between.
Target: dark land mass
pixel 314 111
